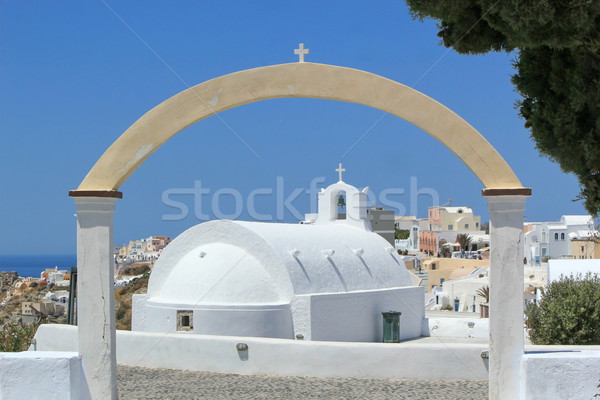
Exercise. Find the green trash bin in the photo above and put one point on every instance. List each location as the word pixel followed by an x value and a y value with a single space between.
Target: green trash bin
pixel 391 326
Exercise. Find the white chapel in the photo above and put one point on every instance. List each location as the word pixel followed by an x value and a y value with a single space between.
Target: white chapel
pixel 326 280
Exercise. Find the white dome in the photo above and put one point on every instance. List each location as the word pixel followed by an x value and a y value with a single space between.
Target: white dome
pixel 259 263
pixel 218 273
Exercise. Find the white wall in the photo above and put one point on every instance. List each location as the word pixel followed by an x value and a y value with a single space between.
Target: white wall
pixel 269 320
pixel 345 317
pixel 49 375
pixel 559 375
pixel 459 327
pixel 138 312
pixel 551 372
pixel 411 360
pixel 540 276
pixel 556 268
pixel 356 316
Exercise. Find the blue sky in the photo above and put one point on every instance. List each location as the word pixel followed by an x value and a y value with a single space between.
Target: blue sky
pixel 74 76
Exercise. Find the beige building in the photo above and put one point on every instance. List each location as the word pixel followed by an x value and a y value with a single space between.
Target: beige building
pixel 440 270
pixel 453 219
pixel 30 312
pixel 447 219
pixel 583 249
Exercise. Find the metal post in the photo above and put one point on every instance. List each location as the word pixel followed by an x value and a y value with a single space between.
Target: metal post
pixel 71 314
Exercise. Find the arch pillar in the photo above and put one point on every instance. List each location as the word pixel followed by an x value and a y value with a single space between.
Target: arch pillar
pixel 506 207
pixel 95 291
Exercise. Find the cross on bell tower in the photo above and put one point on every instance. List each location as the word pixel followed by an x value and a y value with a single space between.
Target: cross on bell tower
pixel 340 170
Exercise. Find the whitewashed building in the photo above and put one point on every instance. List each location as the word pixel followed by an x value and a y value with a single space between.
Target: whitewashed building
pixel 461 293
pixel 412 224
pixel 552 240
pixel 328 279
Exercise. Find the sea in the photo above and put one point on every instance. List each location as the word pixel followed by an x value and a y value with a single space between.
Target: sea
pixel 33 265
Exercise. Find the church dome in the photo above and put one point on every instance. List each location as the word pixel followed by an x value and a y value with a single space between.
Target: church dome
pixel 218 273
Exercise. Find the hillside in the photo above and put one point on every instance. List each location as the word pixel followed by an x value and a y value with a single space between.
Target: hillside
pixel 123 300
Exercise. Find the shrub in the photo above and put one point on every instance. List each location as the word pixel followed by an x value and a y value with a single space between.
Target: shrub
pixel 137 269
pixel 401 234
pixel 17 336
pixel 568 313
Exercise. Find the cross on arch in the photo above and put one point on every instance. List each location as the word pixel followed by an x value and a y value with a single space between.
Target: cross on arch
pixel 301 51
pixel 340 170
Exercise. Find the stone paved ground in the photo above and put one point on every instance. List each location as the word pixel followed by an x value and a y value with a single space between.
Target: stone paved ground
pixel 150 383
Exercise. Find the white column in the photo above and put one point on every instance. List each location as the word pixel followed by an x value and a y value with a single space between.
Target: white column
pixel 506 296
pixel 95 295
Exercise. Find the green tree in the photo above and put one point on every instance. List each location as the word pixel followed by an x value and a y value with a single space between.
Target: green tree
pixel 464 240
pixel 568 312
pixel 402 234
pixel 557 70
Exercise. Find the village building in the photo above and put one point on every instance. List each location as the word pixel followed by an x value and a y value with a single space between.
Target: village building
pixel 440 270
pixel 59 296
pixel 32 312
pixel 585 245
pixel 142 249
pixel 327 280
pixel 413 225
pixel 462 293
pixel 444 224
pixel 460 290
pixel 552 240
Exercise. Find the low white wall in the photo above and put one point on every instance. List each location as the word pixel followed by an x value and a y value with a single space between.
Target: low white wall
pixel 49 375
pixel 558 375
pixel 138 312
pixel 412 360
pixel 459 327
pixel 356 316
pixel 556 268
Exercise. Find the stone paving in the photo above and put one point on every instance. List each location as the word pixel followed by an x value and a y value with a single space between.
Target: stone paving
pixel 157 383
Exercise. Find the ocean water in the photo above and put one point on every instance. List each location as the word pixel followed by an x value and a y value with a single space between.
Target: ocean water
pixel 33 265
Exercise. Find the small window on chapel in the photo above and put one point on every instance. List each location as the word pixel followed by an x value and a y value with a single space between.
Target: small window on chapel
pixel 185 321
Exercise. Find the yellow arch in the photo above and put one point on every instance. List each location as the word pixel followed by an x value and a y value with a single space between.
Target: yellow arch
pixel 310 80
